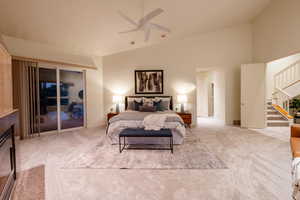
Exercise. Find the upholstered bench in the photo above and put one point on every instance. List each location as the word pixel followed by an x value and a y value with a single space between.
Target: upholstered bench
pixel 139 132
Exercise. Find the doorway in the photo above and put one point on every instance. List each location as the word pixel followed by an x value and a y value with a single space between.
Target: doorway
pixel 206 94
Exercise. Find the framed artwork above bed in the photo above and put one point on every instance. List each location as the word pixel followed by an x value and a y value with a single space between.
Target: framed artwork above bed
pixel 149 81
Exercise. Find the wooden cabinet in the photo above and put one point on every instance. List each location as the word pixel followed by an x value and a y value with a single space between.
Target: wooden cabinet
pixel 6 102
pixel 187 118
pixel 110 115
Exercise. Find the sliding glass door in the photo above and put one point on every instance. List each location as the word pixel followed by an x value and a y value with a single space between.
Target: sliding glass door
pixel 71 99
pixel 48 99
pixel 62 99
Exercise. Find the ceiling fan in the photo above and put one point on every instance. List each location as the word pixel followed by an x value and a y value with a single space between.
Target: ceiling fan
pixel 145 24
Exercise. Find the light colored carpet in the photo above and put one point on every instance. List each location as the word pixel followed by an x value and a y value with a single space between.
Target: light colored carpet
pixel 30 184
pixel 193 154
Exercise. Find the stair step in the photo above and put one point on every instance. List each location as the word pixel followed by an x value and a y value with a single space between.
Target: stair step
pixel 274 112
pixel 277 121
pixel 276 117
pixel 272 124
pixel 270 108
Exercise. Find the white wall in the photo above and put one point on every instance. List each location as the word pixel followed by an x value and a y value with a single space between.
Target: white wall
pixel 274 67
pixel 227 49
pixel 276 31
pixel 94 87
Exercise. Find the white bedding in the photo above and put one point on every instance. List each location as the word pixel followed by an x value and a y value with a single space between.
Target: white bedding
pixel 135 119
pixel 296 178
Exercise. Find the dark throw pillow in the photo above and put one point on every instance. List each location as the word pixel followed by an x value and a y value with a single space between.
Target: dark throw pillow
pixel 137 105
pixel 158 105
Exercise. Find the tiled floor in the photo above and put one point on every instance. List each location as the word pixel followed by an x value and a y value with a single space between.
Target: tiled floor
pixel 258 161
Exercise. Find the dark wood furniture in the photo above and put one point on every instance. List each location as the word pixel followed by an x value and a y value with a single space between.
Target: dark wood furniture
pixel 187 118
pixel 8 125
pixel 110 115
pixel 132 132
pixel 151 97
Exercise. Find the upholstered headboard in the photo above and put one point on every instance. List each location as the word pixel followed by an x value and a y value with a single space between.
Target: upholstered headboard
pixel 126 99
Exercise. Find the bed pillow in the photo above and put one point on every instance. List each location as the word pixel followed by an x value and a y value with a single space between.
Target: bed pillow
pixel 131 104
pixel 165 102
pixel 158 105
pixel 137 99
pixel 147 108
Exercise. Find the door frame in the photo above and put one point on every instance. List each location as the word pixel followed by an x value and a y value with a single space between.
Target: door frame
pixel 66 68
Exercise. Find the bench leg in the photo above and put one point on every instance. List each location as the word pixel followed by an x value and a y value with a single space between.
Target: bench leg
pixel 171 144
pixel 124 143
pixel 120 145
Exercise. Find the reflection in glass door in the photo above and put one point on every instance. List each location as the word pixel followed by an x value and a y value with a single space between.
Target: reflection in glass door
pixel 71 99
pixel 48 99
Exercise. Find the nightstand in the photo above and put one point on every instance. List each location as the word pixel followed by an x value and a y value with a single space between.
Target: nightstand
pixel 110 115
pixel 187 118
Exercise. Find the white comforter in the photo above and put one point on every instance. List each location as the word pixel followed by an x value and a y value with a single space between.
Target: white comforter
pixel 296 178
pixel 155 121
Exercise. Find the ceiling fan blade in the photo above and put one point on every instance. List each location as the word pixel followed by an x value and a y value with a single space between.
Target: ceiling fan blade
pixel 150 16
pixel 128 31
pixel 161 28
pixel 147 34
pixel 127 18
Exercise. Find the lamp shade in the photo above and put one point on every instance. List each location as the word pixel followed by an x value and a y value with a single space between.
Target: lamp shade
pixel 182 99
pixel 117 99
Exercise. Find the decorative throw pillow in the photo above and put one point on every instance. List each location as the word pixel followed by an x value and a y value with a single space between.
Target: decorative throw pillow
pixel 147 108
pixel 165 102
pixel 158 105
pixel 147 101
pixel 137 105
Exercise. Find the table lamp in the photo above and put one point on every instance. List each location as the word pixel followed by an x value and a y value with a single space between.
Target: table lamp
pixel 117 100
pixel 182 99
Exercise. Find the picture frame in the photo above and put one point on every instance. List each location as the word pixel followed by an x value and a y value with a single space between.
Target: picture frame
pixel 149 81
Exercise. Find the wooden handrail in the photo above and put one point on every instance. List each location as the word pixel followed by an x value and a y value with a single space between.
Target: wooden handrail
pixel 282 111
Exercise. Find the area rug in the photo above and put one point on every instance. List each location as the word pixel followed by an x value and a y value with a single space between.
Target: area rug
pixel 193 154
pixel 30 184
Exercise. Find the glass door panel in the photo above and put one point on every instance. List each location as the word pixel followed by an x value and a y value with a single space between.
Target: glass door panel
pixel 71 99
pixel 48 99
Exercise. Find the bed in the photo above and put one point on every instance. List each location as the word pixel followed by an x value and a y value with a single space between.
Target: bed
pixel 131 118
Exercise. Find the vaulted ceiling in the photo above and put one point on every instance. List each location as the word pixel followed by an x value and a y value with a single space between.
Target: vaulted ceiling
pixel 91 27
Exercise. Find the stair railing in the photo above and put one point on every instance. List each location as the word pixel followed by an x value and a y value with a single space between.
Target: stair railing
pixel 287 77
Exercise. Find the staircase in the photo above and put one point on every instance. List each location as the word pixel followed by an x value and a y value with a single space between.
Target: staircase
pixel 274 117
pixel 286 87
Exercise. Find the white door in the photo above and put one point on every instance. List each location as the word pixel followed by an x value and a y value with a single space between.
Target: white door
pixel 253 96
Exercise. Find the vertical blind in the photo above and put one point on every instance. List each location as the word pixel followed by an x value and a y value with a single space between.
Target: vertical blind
pixel 27 98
